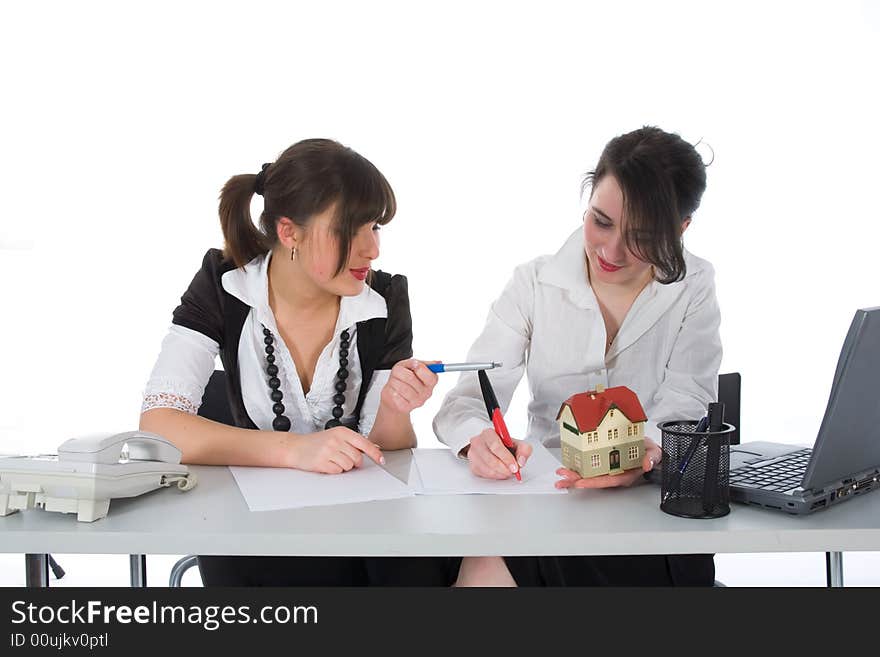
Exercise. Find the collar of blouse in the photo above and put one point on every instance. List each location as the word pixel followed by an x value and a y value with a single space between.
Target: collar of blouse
pixel 565 270
pixel 250 284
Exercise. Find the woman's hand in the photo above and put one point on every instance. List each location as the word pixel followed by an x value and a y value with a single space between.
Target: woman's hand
pixel 571 479
pixel 490 459
pixel 332 451
pixel 410 385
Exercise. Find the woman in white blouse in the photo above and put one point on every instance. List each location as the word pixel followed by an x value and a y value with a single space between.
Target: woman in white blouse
pixel 620 304
pixel 316 347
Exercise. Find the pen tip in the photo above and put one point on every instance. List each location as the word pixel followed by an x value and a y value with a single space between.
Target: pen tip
pixel 497 364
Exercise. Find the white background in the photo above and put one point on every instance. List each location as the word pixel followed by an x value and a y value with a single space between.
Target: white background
pixel 119 125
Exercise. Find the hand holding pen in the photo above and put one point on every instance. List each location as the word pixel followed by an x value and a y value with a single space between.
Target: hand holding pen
pixel 493 454
pixel 410 385
pixel 489 458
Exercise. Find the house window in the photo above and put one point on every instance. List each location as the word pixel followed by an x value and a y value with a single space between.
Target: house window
pixel 609 434
pixel 612 412
pixel 635 429
pixel 634 453
pixel 615 434
pixel 595 436
pixel 571 428
pixel 595 461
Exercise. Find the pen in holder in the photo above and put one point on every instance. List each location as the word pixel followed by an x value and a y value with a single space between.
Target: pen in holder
pixel 696 468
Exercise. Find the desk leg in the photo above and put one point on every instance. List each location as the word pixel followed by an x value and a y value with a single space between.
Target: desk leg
pixel 36 570
pixel 834 568
pixel 138 567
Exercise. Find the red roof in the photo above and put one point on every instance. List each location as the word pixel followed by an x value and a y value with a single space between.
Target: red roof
pixel 590 407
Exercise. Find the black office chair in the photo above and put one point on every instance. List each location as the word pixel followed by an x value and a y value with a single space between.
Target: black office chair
pixel 729 386
pixel 215 406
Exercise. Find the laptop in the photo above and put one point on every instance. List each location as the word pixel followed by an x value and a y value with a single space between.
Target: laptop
pixel 845 460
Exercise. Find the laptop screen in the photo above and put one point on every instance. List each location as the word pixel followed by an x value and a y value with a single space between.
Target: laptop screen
pixel 849 438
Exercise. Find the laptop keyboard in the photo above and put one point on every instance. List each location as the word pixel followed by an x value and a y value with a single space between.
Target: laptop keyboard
pixel 781 475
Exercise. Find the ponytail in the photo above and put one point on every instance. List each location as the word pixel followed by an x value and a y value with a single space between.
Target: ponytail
pixel 307 178
pixel 243 240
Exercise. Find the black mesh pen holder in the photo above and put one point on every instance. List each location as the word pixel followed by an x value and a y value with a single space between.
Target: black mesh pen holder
pixel 696 470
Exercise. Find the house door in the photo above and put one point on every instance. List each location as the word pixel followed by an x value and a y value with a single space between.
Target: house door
pixel 614 460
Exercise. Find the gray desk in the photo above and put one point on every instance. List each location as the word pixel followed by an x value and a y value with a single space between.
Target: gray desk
pixel 214 519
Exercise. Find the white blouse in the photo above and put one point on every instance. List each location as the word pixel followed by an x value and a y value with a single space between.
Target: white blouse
pixel 188 358
pixel 547 324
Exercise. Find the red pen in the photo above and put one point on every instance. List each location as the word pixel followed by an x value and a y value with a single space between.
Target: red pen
pixel 495 415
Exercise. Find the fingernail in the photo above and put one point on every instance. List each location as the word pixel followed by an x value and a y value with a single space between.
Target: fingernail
pixel 382 460
pixel 513 468
pixel 522 461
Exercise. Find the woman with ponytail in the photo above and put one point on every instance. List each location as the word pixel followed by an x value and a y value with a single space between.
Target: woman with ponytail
pixel 316 346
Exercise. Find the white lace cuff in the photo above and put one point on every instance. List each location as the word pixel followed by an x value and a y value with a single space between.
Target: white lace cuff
pixel 171 393
pixel 169 400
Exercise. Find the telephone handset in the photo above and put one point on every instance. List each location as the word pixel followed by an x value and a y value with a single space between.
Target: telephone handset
pixel 89 471
pixel 108 448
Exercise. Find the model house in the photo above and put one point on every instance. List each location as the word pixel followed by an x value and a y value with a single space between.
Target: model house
pixel 602 431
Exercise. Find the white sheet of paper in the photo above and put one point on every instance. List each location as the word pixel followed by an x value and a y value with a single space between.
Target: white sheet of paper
pixel 441 473
pixel 270 489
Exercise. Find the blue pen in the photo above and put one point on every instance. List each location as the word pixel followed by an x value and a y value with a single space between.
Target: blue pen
pixel 437 368
pixel 675 480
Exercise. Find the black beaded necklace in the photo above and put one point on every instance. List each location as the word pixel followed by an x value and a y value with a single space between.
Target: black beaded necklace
pixel 281 421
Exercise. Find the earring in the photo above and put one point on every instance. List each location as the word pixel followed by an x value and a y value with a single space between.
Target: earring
pixel 293 254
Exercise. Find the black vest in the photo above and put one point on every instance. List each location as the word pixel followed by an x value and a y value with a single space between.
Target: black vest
pixel 209 309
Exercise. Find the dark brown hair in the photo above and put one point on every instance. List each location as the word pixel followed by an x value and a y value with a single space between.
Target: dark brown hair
pixel 305 180
pixel 662 178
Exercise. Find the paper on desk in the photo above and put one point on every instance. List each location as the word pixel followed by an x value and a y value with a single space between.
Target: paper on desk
pixel 270 489
pixel 441 473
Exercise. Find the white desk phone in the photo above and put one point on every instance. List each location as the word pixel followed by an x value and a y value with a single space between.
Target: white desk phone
pixel 88 471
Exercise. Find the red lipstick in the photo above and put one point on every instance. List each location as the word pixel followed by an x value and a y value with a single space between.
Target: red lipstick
pixel 360 274
pixel 607 266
